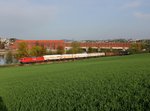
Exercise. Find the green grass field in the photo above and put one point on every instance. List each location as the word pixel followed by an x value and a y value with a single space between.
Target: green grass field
pixel 106 83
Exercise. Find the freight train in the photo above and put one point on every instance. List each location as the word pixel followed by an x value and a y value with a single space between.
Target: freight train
pixel 45 58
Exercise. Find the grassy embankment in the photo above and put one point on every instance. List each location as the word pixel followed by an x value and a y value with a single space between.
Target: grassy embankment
pixel 107 83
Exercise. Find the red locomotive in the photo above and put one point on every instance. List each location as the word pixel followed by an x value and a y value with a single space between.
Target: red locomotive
pixel 31 59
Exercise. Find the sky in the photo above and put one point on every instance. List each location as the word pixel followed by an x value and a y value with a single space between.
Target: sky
pixel 75 19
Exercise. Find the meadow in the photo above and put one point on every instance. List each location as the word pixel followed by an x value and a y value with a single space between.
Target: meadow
pixel 120 83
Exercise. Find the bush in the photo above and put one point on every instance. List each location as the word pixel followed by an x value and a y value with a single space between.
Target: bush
pixel 9 58
pixel 91 50
pixel 60 50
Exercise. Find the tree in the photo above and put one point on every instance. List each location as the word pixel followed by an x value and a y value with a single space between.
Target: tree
pixel 90 50
pixel 60 50
pixel 44 51
pixel 23 50
pixel 9 58
pixel 2 45
pixel 36 51
pixel 147 45
pixel 75 47
pixel 135 48
pixel 106 50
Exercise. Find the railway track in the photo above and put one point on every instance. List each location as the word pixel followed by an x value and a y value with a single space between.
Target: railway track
pixel 46 62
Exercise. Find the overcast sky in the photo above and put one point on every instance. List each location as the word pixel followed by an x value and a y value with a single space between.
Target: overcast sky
pixel 75 19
